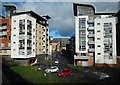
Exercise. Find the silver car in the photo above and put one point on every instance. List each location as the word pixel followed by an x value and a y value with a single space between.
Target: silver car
pixel 52 69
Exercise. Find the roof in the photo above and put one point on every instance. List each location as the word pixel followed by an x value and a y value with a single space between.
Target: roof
pixel 117 14
pixel 33 14
pixel 91 6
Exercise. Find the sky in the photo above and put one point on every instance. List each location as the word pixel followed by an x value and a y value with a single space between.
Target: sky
pixel 62 19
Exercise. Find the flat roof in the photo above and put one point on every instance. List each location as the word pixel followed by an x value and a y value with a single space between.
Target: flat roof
pixel 33 14
pixel 91 6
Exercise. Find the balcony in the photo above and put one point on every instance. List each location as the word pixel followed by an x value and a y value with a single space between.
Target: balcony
pixel 82 28
pixel 21 52
pixel 91 28
pixel 82 57
pixel 22 47
pixel 29 33
pixel 91 54
pixel 90 35
pixel 29 37
pixel 91 42
pixel 29 48
pixel 90 21
pixel 91 49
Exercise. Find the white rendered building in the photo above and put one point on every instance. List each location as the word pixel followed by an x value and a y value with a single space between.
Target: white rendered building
pixel 105 40
pixel 89 50
pixel 23 36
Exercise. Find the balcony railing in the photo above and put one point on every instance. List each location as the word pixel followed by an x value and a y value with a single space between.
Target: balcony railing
pixel 91 49
pixel 91 28
pixel 90 35
pixel 90 21
pixel 21 47
pixel 91 42
pixel 82 57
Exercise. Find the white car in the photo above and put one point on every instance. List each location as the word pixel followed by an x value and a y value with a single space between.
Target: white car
pixel 52 69
pixel 56 61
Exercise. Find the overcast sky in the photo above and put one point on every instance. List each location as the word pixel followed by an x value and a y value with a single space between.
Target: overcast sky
pixel 61 13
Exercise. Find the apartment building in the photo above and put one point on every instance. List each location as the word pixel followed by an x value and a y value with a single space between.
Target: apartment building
pixel 87 46
pixel 23 36
pixel 30 35
pixel 5 30
pixel 5 36
pixel 105 40
pixel 42 36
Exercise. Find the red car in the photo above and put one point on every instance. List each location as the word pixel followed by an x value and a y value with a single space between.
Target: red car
pixel 65 72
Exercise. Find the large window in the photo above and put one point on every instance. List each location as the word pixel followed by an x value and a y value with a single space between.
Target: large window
pixel 108 40
pixel 22 26
pixel 2 44
pixel 82 23
pixel 82 34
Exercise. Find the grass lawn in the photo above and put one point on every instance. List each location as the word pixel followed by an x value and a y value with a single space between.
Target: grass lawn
pixel 32 75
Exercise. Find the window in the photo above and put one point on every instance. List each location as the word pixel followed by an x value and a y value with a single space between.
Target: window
pixel 82 23
pixel 33 30
pixel 33 50
pixel 14 35
pixel 99 46
pixel 13 49
pixel 14 27
pixel 98 30
pixel 83 54
pixel 98 23
pixel 98 38
pixel 99 53
pixel 9 44
pixel 33 36
pixel 9 37
pixel 14 42
pixel 2 44
pixel 14 20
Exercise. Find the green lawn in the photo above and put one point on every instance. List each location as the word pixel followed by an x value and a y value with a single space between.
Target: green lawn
pixel 29 73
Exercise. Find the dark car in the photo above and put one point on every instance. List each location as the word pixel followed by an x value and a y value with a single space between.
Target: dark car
pixel 65 72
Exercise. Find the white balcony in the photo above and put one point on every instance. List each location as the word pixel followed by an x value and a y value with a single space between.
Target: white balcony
pixel 91 42
pixel 91 28
pixel 4 33
pixel 91 54
pixel 90 35
pixel 21 37
pixel 91 49
pixel 0 33
pixel 91 20
pixel 81 57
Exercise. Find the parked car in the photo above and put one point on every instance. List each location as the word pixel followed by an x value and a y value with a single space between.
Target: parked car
pixel 65 72
pixel 56 61
pixel 52 69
